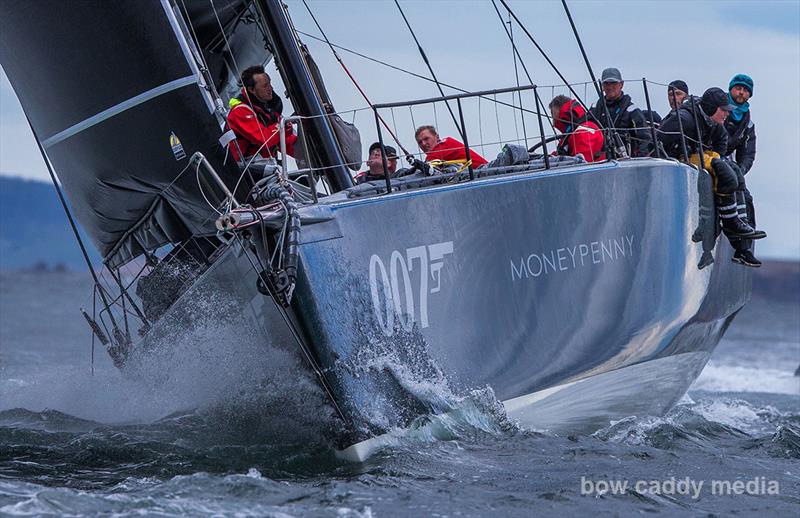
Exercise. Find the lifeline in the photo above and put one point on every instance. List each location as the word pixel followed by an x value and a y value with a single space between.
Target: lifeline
pixel 570 258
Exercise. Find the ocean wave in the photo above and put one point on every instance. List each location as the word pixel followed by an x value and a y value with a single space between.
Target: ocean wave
pixel 704 424
pixel 198 494
pixel 720 377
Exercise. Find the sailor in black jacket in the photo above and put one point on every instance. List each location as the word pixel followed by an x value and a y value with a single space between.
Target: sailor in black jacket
pixel 625 117
pixel 714 136
pixel 742 149
pixel 707 115
pixel 739 125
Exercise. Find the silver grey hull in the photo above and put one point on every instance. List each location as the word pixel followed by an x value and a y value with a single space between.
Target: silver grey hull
pixel 575 295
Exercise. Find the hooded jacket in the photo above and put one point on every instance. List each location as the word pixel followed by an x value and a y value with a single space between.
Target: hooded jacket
pixel 741 141
pixel 581 137
pixel 629 120
pixel 714 136
pixel 255 125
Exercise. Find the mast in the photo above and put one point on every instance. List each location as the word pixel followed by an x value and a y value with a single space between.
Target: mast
pixel 296 76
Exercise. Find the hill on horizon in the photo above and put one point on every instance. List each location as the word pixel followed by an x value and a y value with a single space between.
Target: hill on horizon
pixel 34 230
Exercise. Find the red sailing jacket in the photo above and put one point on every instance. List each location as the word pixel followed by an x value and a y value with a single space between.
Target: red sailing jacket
pixel 585 138
pixel 451 149
pixel 256 130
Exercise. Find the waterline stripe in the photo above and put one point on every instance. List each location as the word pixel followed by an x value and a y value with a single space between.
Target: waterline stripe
pixel 119 108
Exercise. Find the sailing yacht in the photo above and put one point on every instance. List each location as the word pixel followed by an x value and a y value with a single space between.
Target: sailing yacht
pixel 571 289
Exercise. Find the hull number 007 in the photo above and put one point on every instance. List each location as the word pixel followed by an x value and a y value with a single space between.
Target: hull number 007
pixel 395 296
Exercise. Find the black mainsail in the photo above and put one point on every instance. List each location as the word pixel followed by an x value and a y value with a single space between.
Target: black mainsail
pixel 140 105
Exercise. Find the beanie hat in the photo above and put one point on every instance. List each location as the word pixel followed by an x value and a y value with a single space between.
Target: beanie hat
pixel 744 80
pixel 679 85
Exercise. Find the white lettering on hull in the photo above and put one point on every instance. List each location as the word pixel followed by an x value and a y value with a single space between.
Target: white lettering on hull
pixel 567 258
pixel 394 295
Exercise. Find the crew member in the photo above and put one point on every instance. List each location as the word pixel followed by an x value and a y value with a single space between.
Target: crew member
pixel 255 116
pixel 676 93
pixel 708 114
pixel 581 136
pixel 375 164
pixel 742 150
pixel 626 118
pixel 447 149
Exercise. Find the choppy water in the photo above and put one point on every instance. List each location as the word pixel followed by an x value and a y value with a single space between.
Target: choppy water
pixel 76 444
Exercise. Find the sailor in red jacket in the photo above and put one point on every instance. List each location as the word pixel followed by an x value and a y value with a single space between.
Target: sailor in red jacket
pixel 581 136
pixel 448 149
pixel 255 116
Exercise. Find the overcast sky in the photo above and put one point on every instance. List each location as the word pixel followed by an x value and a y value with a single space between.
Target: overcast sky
pixel 703 43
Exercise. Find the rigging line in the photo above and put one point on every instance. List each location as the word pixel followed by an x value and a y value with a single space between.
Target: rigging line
pixel 72 223
pixel 544 54
pixel 235 66
pixel 305 55
pixel 480 127
pixel 202 192
pixel 408 72
pixel 600 97
pixel 94 317
pixel 194 35
pixel 497 118
pixel 353 79
pixel 514 114
pixel 430 68
pixel 246 93
pixel 256 154
pixel 583 51
pixel 516 77
pixel 296 334
pixel 394 123
pixel 510 34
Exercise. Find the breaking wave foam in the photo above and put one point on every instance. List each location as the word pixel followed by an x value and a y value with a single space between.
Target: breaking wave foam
pixel 738 378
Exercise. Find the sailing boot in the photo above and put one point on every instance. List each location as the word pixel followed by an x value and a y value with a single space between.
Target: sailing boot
pixel 744 254
pixel 731 224
pixel 745 257
pixel 706 259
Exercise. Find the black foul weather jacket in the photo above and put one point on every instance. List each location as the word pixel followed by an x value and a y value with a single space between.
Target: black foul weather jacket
pixel 628 120
pixel 741 141
pixel 714 136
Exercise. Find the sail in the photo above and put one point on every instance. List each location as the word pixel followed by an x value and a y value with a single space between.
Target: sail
pixel 229 37
pixel 115 96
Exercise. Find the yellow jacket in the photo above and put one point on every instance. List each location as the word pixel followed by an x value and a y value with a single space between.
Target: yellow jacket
pixel 708 156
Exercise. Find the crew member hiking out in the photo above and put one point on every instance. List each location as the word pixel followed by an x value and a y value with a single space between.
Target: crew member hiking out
pixel 711 111
pixel 626 118
pixel 447 149
pixel 742 150
pixel 581 136
pixel 255 116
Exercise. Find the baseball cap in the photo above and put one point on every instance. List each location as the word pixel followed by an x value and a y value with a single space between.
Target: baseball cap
pixel 611 75
pixel 714 98
pixel 390 151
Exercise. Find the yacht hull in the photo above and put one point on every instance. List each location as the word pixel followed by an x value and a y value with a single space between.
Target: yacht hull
pixel 583 282
pixel 574 295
